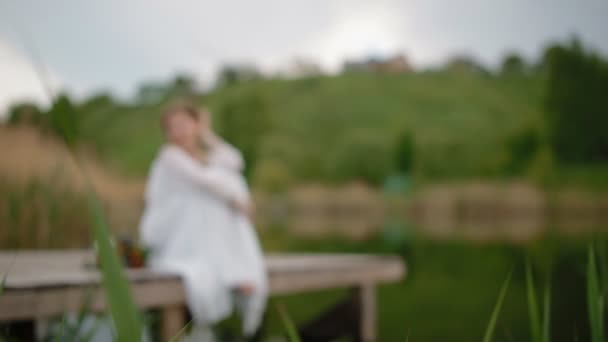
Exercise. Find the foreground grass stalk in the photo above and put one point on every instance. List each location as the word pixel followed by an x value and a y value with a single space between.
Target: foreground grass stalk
pixel 595 300
pixel 290 328
pixel 535 328
pixel 125 314
pixel 124 311
pixel 546 333
pixel 181 332
pixel 489 335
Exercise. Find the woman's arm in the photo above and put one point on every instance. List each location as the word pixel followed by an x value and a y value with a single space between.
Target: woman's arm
pixel 186 166
pixel 224 154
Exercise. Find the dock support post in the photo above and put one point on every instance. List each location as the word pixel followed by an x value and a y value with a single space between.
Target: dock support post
pixel 366 295
pixel 172 321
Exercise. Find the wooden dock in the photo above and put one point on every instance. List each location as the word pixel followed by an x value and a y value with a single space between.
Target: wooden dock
pixel 43 284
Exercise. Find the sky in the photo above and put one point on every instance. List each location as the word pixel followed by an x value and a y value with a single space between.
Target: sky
pixel 84 47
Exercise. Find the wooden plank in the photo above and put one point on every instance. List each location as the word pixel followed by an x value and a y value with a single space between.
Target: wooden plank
pixel 26 303
pixel 293 282
pixel 39 303
pixel 55 269
pixel 49 283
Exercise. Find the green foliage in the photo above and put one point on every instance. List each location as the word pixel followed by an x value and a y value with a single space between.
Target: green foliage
pixel 243 121
pixel 64 120
pixel 460 121
pixel 360 156
pixel 101 101
pixel 576 104
pixel 183 87
pixel 26 113
pixel 513 64
pixel 233 74
pixel 466 124
pixel 523 148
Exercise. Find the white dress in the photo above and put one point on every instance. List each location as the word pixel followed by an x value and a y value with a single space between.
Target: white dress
pixel 191 230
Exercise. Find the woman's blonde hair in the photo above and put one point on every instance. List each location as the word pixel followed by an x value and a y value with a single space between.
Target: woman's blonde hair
pixel 179 107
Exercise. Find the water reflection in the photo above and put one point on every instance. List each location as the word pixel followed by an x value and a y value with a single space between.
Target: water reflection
pixel 476 211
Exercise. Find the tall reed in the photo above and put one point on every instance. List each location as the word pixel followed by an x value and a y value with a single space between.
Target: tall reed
pixel 595 298
pixel 119 296
pixel 539 325
pixel 489 334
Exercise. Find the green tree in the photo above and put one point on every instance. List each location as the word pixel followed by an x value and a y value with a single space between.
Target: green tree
pixel 523 147
pixel 183 86
pixel 513 64
pixel 26 113
pixel 243 120
pixel 232 74
pixel 64 120
pixel 576 104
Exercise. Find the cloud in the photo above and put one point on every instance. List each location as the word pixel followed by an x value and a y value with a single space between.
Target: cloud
pixel 367 28
pixel 20 81
pixel 115 45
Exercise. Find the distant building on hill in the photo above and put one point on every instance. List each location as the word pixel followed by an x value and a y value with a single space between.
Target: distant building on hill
pixel 391 65
pixel 464 63
pixel 304 67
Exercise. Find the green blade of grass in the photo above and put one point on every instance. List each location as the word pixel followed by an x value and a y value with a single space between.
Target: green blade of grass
pixel 602 262
pixel 532 305
pixel 489 334
pixel 292 334
pixel 116 286
pixel 594 298
pixel 181 332
pixel 546 333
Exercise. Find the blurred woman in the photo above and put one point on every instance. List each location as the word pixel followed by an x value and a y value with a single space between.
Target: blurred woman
pixel 196 223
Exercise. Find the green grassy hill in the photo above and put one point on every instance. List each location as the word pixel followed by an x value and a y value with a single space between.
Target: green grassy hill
pixel 324 128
